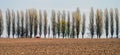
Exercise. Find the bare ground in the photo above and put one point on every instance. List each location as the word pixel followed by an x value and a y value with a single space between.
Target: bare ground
pixel 59 46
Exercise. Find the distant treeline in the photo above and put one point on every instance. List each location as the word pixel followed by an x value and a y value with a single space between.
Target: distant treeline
pixel 65 24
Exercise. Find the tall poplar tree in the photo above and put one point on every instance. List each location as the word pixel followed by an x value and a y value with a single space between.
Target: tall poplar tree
pixel 117 21
pixel 83 25
pixel 92 23
pixel 45 23
pixel 53 23
pixel 106 22
pixel 13 23
pixel 1 23
pixel 78 20
pixel 8 22
pixel 111 22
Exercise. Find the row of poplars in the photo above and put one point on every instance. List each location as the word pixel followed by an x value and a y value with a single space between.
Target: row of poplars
pixel 65 24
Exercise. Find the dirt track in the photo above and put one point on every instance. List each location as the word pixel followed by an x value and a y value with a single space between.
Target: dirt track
pixel 59 46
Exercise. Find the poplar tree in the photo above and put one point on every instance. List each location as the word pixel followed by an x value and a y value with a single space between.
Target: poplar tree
pixel 78 20
pixel 45 23
pixel 13 23
pixel 91 22
pixel 27 23
pixel 83 25
pixel 53 23
pixel 35 20
pixel 40 23
pixel 63 24
pixel 106 22
pixel 73 25
pixel 99 23
pixel 8 22
pixel 31 22
pixel 1 23
pixel 68 25
pixel 18 24
pixel 22 24
pixel 117 21
pixel 58 24
pixel 111 22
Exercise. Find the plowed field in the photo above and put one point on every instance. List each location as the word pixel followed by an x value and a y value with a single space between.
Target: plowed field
pixel 59 46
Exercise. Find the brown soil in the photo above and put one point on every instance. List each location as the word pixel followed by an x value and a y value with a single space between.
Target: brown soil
pixel 59 46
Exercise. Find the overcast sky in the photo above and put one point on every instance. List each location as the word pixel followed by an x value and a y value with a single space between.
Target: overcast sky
pixel 58 4
pixel 68 5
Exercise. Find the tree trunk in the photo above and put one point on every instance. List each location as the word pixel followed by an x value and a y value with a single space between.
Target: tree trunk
pixel 106 36
pixel 117 36
pixel 92 37
pixel 8 36
pixel 99 36
pixel 82 36
pixel 111 36
pixel 63 35
pixel 77 36
pixel 13 36
pixel 68 36
pixel 53 36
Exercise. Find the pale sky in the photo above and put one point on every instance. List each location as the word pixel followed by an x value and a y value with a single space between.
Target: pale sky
pixel 58 4
pixel 68 5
